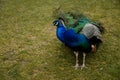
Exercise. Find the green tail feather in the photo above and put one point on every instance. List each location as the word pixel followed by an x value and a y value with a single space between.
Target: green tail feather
pixel 74 20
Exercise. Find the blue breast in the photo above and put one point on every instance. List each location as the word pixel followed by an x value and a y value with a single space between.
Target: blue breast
pixel 59 33
pixel 73 39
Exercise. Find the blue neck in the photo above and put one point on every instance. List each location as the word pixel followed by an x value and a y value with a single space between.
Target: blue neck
pixel 60 30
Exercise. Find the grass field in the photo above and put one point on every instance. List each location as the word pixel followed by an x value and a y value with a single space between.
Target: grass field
pixel 29 49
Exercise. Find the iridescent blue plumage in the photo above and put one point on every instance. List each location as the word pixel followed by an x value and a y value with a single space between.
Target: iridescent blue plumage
pixel 60 30
pixel 78 42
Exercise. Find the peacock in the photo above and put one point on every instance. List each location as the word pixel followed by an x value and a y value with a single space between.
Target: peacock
pixel 78 33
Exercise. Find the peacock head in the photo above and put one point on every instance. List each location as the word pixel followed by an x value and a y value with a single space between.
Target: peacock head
pixel 56 22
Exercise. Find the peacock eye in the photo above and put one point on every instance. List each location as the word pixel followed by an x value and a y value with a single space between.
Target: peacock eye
pixel 56 23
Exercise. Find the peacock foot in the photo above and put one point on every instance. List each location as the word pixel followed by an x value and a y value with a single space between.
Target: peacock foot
pixel 83 66
pixel 76 66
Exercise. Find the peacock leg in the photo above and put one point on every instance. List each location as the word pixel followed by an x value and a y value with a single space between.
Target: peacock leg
pixel 77 61
pixel 83 65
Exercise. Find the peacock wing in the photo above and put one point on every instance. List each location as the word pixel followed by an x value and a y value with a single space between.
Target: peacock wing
pixel 90 31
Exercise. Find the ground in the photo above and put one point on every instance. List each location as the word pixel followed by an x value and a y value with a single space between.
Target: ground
pixel 29 49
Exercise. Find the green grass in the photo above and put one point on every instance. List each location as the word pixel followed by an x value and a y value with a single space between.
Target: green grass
pixel 29 49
